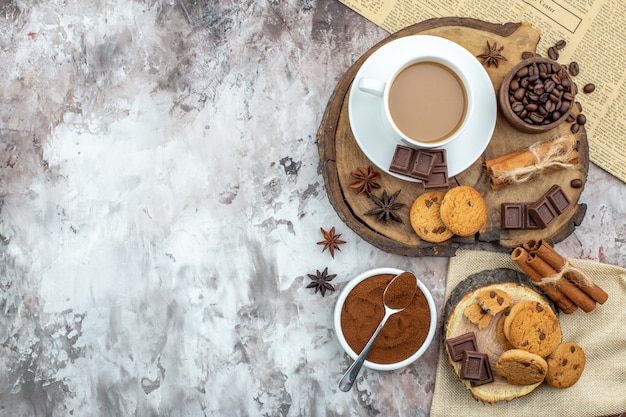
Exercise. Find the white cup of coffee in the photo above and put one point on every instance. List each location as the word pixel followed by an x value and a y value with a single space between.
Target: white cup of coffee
pixel 427 101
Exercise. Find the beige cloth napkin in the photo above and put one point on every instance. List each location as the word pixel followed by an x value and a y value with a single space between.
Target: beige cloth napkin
pixel 600 391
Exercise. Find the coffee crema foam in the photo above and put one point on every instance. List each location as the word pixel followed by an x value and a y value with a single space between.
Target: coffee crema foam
pixel 427 102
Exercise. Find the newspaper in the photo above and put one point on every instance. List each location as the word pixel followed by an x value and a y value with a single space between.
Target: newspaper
pixel 595 32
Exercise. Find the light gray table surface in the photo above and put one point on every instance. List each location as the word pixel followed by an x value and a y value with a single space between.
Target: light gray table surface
pixel 160 202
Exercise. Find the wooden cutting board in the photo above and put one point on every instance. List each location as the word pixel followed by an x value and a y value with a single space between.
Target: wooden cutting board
pixel 340 155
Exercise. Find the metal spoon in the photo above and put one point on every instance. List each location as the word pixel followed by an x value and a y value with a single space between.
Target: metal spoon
pixel 397 305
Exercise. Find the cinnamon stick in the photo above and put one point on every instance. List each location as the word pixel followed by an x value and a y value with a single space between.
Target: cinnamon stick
pixel 593 290
pixel 498 159
pixel 556 261
pixel 501 168
pixel 575 294
pixel 520 256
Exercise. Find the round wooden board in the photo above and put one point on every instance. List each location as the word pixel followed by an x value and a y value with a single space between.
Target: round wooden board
pixel 340 155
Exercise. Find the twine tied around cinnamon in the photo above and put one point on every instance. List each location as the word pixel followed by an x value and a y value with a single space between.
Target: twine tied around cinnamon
pixel 570 287
pixel 558 155
pixel 566 269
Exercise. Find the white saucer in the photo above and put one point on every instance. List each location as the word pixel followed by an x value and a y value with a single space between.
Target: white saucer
pixel 376 138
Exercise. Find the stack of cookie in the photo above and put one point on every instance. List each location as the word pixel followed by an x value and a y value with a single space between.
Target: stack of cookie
pixel 436 216
pixel 530 334
pixel 519 332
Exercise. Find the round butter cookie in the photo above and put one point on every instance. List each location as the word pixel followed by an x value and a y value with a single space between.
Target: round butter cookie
pixel 463 210
pixel 565 365
pixel 425 218
pixel 520 367
pixel 533 327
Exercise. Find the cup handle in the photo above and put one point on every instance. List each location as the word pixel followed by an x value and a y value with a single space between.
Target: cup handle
pixel 372 86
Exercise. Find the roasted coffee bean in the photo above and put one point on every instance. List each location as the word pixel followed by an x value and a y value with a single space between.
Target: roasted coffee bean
pixel 553 53
pixel 575 128
pixel 527 54
pixel 570 118
pixel 556 116
pixel 568 96
pixel 517 106
pixel 536 117
pixel 579 106
pixel 522 72
pixel 519 93
pixel 581 119
pixel 589 88
pixel 576 183
pixel 565 106
pixel 560 44
pixel 514 85
pixel 573 68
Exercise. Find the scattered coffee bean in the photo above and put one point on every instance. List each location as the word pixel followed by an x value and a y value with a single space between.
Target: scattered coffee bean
pixel 570 118
pixel 574 68
pixel 553 53
pixel 560 44
pixel 579 106
pixel 581 119
pixel 575 128
pixel 576 183
pixel 589 88
pixel 527 54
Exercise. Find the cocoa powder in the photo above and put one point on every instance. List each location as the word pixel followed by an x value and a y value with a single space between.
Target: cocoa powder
pixel 403 334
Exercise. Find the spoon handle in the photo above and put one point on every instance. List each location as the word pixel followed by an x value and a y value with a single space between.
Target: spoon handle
pixel 353 371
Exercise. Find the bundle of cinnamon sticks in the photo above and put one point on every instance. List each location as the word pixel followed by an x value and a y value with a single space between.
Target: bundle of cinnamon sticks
pixel 568 287
pixel 525 164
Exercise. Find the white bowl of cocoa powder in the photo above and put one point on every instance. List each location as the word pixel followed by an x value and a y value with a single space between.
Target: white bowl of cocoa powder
pixel 406 335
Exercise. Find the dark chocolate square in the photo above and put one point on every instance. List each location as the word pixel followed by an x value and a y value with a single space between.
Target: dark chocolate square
pixel 542 212
pixel 486 374
pixel 402 160
pixel 440 156
pixel 472 365
pixel 558 199
pixel 422 165
pixel 512 215
pixel 438 177
pixel 458 345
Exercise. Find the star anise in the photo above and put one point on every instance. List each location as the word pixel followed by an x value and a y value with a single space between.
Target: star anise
pixel 386 207
pixel 331 241
pixel 320 281
pixel 365 180
pixel 492 55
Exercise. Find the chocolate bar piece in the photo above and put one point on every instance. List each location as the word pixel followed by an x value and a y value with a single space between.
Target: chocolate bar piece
pixel 542 212
pixel 472 365
pixel 486 373
pixel 402 160
pixel 458 345
pixel 558 199
pixel 422 166
pixel 440 156
pixel 512 215
pixel 438 177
